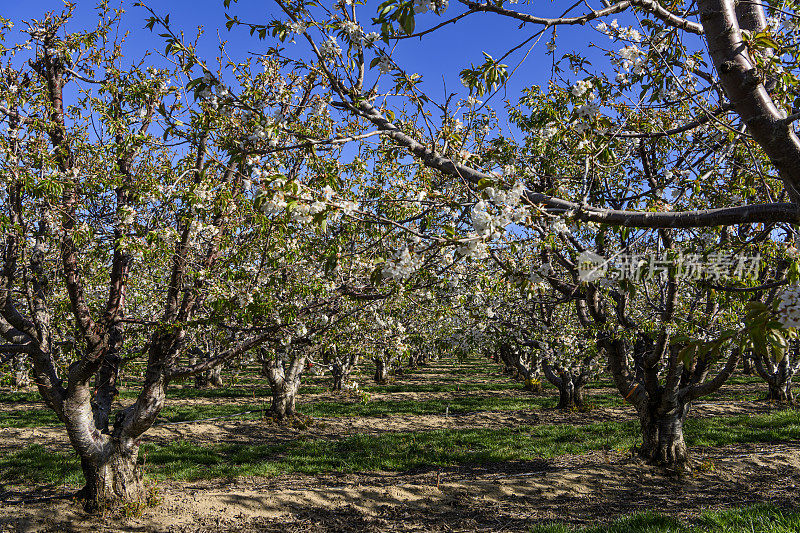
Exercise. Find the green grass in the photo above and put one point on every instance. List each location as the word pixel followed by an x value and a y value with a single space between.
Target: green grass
pixel 26 418
pixel 779 425
pixel 35 464
pixel 402 451
pixel 387 452
pixel 464 404
pixel 756 519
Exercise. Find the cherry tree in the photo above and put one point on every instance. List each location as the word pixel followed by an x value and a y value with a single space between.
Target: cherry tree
pixel 135 211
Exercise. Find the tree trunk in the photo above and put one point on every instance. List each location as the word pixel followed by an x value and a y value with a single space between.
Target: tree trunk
pixel 264 359
pixel 662 437
pixel 284 381
pixel 19 371
pixel 338 375
pixel 747 366
pixel 112 477
pixel 570 388
pixel 283 400
pixel 209 378
pixel 381 371
pixel 778 377
pixel 215 376
pixel 571 394
pixel 780 392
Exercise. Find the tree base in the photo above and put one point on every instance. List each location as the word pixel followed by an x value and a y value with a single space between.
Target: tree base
pixel 148 497
pixel 780 396
pixel 294 420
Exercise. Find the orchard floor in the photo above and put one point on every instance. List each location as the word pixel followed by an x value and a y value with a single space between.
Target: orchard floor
pixel 576 489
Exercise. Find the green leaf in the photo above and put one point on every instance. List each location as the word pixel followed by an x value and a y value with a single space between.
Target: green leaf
pixel 687 355
pixel 407 22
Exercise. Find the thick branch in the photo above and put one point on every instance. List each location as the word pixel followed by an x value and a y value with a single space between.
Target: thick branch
pixel 650 6
pixel 759 213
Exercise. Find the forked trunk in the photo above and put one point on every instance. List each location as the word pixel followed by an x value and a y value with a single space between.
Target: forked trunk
pixel 283 400
pixel 570 387
pixel 778 376
pixel 112 477
pixel 284 381
pixel 571 396
pixel 780 392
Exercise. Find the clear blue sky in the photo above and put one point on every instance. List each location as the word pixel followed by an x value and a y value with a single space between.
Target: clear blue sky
pixel 442 54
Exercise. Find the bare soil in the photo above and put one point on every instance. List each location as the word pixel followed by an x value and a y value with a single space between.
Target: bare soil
pixel 581 490
pixel 577 489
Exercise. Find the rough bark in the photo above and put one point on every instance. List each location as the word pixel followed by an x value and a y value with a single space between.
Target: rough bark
pixel 112 476
pixel 662 404
pixel 284 382
pixel 570 386
pixel 778 376
pixel 662 435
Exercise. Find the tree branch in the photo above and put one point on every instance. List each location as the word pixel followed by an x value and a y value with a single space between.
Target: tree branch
pixel 649 6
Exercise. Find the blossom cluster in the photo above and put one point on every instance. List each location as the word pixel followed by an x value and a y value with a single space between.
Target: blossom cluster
pixel 423 6
pixel 404 263
pixel 624 33
pixel 789 307
pixel 330 48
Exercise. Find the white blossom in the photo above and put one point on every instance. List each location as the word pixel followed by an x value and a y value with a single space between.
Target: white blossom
pixel 789 307
pixel 330 47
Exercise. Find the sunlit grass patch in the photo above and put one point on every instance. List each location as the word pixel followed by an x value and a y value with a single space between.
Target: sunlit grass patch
pixel 756 519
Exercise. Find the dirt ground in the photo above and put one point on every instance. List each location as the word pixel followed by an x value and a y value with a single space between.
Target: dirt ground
pixel 578 489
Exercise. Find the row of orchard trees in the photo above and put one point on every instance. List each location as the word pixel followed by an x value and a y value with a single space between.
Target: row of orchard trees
pixel 687 150
pixel 151 210
pixel 188 224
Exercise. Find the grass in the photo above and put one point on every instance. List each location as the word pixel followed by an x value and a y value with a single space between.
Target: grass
pixel 756 519
pixel 401 451
pixel 35 464
pixel 464 404
pixel 28 418
pixel 357 453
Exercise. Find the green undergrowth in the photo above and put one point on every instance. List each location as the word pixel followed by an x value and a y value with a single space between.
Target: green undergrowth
pixel 323 409
pixel 756 519
pixel 398 451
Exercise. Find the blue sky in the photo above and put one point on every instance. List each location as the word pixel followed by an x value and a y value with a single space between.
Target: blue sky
pixel 438 57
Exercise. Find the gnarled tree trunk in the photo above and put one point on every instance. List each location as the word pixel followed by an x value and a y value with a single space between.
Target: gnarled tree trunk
pixel 570 386
pixel 112 475
pixel 778 376
pixel 662 434
pixel 284 381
